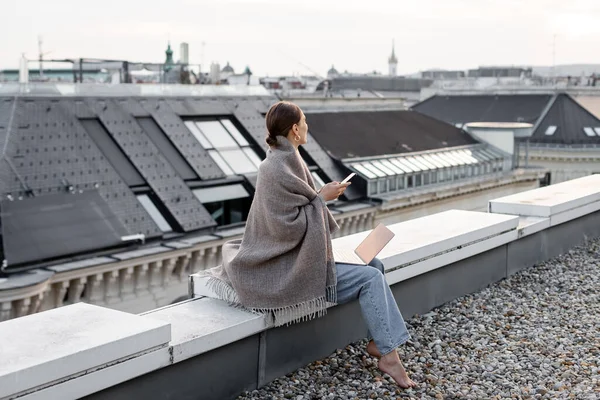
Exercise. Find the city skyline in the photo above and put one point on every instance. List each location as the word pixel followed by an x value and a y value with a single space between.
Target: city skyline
pixel 278 39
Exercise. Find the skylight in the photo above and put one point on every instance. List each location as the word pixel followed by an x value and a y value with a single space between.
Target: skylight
pixel 589 131
pixel 550 130
pixel 226 145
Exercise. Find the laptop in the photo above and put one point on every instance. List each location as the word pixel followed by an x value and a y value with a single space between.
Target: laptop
pixel 367 249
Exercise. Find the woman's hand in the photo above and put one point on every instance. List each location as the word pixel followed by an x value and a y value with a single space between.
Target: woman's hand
pixel 333 190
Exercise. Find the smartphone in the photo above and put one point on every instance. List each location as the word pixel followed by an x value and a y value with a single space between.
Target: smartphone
pixel 348 178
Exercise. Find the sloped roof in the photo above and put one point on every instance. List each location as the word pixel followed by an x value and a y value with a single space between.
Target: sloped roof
pixel 372 133
pixel 571 121
pixel 484 108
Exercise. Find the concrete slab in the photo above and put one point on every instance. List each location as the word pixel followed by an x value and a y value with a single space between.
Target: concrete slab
pixel 530 225
pixel 42 348
pixel 435 234
pixel 220 374
pixel 104 378
pixel 177 245
pixel 204 324
pixel 25 279
pixel 550 200
pixel 141 252
pixel 403 273
pixel 200 239
pixel 575 213
pixel 90 262
pixel 227 233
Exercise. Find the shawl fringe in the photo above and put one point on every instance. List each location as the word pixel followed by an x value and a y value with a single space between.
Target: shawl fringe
pixel 278 316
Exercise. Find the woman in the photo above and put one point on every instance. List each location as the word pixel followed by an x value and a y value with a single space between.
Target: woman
pixel 283 267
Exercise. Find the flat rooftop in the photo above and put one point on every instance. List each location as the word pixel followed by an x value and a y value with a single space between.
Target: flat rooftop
pixel 534 333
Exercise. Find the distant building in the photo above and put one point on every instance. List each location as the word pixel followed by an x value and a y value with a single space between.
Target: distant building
pixel 393 62
pixel 565 138
pixel 442 74
pixel 184 56
pixel 332 73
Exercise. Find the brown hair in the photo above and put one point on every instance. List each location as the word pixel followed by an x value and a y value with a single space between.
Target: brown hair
pixel 281 117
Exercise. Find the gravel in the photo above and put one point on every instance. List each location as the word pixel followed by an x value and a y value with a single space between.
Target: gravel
pixel 535 335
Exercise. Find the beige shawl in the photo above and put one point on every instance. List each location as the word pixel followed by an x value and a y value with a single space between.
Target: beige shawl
pixel 283 266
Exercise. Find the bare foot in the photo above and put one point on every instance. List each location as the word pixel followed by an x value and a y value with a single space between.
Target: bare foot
pixel 372 350
pixel 391 365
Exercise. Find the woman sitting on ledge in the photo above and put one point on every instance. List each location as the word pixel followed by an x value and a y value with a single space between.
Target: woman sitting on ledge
pixel 283 267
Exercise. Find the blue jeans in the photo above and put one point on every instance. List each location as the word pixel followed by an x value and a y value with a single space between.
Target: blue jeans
pixel 377 303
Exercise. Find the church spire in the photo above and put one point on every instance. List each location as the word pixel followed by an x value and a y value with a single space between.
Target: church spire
pixel 393 61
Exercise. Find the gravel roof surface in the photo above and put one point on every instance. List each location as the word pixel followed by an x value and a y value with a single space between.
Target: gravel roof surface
pixel 535 335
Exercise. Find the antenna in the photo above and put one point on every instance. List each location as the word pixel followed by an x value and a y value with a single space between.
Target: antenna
pixel 202 55
pixel 554 59
pixel 41 57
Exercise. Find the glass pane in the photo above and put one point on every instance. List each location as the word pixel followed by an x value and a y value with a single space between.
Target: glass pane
pixel 453 157
pixel 372 188
pixel 408 164
pixel 220 162
pixel 191 125
pixel 489 154
pixel 238 161
pixel 220 193
pixel 382 186
pixel 440 160
pixel 252 156
pixel 216 134
pixel 550 131
pixel 448 160
pixel 318 181
pixel 469 156
pixel 418 162
pixel 418 180
pixel 392 184
pixel 374 170
pixel 364 171
pixel 400 165
pixel 433 161
pixel 156 216
pixel 383 168
pixel 589 131
pixel 597 130
pixel 234 132
pixel 391 166
pixel 425 162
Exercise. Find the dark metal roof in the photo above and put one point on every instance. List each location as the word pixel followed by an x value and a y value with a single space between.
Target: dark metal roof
pixel 47 227
pixel 121 146
pixel 380 83
pixel 373 133
pixel 541 110
pixel 571 121
pixel 484 108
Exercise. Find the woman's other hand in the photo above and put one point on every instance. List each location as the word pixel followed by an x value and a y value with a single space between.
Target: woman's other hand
pixel 333 190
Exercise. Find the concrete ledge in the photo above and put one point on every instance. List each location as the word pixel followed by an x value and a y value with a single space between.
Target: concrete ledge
pixel 551 200
pixel 203 324
pixel 431 261
pixel 59 345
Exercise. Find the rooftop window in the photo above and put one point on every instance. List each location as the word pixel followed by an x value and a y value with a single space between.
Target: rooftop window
pixel 227 205
pixel 226 145
pixel 550 131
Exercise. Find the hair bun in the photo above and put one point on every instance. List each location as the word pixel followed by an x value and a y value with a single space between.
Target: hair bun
pixel 271 141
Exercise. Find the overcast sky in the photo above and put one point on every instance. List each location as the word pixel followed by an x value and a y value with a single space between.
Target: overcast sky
pixel 284 37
